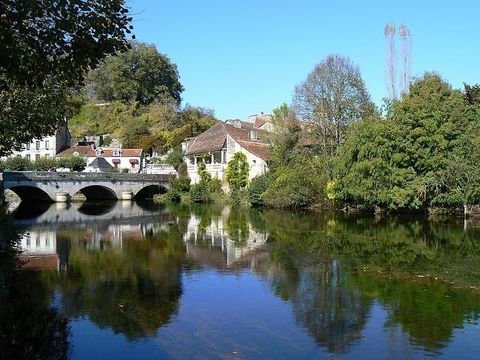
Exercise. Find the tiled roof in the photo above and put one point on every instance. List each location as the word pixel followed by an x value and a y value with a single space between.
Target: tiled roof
pixel 262 150
pixel 214 140
pixel 80 149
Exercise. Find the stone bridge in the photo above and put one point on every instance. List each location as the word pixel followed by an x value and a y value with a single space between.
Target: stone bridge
pixel 38 186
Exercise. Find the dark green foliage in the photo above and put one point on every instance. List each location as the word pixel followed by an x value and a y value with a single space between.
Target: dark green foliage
pixel 175 157
pixel 181 184
pixel 74 163
pixel 198 193
pixel 237 172
pixel 139 74
pixel 214 186
pixel 45 163
pixel 404 162
pixel 45 50
pixel 18 163
pixel 472 94
pixel 299 184
pixel 257 187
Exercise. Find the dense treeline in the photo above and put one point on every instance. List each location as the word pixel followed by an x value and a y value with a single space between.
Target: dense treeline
pixel 419 153
pixel 135 97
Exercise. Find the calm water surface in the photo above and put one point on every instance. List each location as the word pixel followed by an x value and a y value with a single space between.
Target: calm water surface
pixel 138 281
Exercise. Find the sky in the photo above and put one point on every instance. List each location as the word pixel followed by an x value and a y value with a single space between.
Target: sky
pixel 243 57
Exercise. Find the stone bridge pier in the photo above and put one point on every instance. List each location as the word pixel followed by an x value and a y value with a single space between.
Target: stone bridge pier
pixel 61 187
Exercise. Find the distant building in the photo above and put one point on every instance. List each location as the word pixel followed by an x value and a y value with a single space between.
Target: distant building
pixel 121 159
pixel 48 146
pixel 217 145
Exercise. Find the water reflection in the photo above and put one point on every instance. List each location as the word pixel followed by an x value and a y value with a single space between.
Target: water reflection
pixel 127 268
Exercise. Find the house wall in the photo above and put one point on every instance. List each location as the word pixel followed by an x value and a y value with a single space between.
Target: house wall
pixel 124 162
pixel 257 165
pixel 55 142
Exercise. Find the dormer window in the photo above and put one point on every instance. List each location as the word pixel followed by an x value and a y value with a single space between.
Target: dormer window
pixel 116 152
pixel 99 152
pixel 253 135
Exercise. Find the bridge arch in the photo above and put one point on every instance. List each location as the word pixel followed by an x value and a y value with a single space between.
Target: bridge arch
pixel 98 192
pixel 147 192
pixel 31 193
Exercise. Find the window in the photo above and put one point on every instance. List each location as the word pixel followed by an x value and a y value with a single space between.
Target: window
pixel 37 156
pixel 253 134
pixel 47 144
pixel 37 145
pixel 27 157
pixel 27 146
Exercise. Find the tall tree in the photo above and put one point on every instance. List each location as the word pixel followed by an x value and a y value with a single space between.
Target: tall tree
pixel 332 97
pixel 46 47
pixel 139 74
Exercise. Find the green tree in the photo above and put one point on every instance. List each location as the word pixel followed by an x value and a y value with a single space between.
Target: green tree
pixel 405 161
pixel 237 172
pixel 139 74
pixel 46 49
pixel 332 98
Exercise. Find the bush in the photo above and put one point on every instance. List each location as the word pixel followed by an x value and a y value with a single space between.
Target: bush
pixel 181 184
pixel 198 193
pixel 214 186
pixel 74 163
pixel 18 163
pixel 45 163
pixel 258 186
pixel 300 184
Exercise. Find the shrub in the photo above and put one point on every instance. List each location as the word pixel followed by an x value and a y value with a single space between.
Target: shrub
pixel 18 163
pixel 174 196
pixel 45 163
pixel 214 186
pixel 198 193
pixel 74 163
pixel 181 184
pixel 258 186
pixel 300 184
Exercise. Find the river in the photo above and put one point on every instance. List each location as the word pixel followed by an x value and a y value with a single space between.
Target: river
pixel 124 280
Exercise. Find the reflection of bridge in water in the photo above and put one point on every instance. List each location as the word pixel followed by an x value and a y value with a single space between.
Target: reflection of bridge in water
pixel 46 241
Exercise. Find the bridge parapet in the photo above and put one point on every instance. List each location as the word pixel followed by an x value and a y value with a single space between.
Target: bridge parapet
pixel 83 176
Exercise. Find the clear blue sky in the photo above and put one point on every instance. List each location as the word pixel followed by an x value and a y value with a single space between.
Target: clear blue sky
pixel 245 56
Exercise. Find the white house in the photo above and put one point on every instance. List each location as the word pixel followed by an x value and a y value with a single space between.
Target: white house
pixel 217 145
pixel 48 146
pixel 121 159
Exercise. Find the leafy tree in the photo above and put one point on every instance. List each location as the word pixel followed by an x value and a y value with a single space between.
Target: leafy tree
pixel 74 163
pixel 332 98
pixel 46 49
pixel 472 94
pixel 237 172
pixel 45 163
pixel 139 74
pixel 18 163
pixel 257 187
pixel 404 162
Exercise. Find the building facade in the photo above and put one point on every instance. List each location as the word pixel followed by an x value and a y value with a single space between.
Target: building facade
pixel 216 146
pixel 48 146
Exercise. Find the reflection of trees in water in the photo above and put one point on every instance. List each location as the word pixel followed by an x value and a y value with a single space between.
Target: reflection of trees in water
pixel 29 327
pixel 429 312
pixel 134 290
pixel 324 297
pixel 324 303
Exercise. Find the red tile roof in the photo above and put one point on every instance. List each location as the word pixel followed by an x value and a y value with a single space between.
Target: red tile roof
pixel 214 140
pixel 80 149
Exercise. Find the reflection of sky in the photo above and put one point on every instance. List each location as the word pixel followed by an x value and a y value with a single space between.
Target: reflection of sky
pixel 225 315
